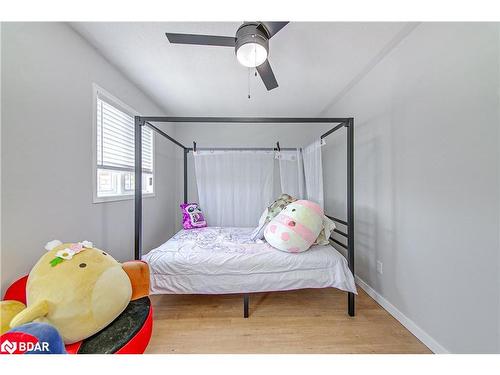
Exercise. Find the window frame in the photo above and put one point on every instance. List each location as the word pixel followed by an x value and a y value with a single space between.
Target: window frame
pixel 97 92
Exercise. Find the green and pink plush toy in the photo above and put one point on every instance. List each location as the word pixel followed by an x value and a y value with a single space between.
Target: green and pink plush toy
pixel 296 228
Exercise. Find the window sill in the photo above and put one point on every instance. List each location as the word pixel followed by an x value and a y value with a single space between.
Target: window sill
pixel 120 198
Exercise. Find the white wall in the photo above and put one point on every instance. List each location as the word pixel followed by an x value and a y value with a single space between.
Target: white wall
pixel 427 181
pixel 47 76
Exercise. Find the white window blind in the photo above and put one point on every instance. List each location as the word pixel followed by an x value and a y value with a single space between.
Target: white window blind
pixel 115 154
pixel 115 140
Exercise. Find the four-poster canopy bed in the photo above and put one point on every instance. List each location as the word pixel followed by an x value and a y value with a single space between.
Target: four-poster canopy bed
pixel 347 123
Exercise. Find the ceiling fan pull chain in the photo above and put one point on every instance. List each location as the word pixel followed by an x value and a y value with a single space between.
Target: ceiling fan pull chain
pixel 251 45
pixel 248 81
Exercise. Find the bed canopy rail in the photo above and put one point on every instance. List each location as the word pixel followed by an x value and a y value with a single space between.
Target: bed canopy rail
pixel 348 123
pixel 241 149
pixel 277 148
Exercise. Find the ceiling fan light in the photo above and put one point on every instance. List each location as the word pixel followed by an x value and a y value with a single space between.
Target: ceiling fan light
pixel 251 55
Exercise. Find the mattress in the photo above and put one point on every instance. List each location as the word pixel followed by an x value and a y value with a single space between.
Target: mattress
pixel 216 260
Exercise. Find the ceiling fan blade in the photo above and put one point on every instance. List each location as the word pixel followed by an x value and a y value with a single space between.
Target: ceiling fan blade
pixel 272 28
pixel 267 75
pixel 205 40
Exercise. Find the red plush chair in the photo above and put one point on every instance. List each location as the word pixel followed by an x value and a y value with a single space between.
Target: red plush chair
pixel 129 333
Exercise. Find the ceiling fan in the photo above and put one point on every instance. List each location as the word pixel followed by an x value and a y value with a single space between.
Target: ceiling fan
pixel 251 45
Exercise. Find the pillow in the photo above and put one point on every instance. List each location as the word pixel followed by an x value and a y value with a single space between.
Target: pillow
pixel 258 233
pixel 269 213
pixel 192 217
pixel 296 227
pixel 324 235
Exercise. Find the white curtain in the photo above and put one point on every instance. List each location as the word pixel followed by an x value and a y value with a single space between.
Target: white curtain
pixel 313 172
pixel 234 187
pixel 292 173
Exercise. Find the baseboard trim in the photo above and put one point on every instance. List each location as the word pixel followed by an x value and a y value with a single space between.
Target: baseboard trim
pixel 409 324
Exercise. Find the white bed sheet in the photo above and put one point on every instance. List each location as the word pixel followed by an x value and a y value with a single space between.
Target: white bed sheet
pixel 217 260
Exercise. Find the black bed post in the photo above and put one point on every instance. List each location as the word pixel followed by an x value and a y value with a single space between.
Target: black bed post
pixel 138 187
pixel 185 175
pixel 342 122
pixel 350 208
pixel 245 306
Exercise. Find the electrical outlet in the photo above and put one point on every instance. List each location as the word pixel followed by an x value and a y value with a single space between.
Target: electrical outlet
pixel 380 266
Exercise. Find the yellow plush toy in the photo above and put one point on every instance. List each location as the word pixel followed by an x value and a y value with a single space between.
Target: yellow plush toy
pixel 79 289
pixel 8 310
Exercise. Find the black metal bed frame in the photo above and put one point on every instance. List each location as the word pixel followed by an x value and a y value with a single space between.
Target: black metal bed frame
pixel 348 123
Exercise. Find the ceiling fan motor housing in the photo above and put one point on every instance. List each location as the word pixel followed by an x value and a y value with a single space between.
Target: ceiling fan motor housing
pixel 251 33
pixel 251 45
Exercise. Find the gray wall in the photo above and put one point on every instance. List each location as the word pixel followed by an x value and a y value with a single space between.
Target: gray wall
pixel 498 108
pixel 427 181
pixel 242 135
pixel 47 76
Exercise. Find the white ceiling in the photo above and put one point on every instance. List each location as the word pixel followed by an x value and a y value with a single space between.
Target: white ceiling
pixel 313 63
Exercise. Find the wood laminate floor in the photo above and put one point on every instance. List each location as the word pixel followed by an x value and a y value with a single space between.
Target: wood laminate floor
pixel 301 321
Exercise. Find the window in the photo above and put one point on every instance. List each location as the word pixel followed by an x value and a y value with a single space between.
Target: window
pixel 114 151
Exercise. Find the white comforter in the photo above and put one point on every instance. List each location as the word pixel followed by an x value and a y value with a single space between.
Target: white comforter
pixel 216 260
